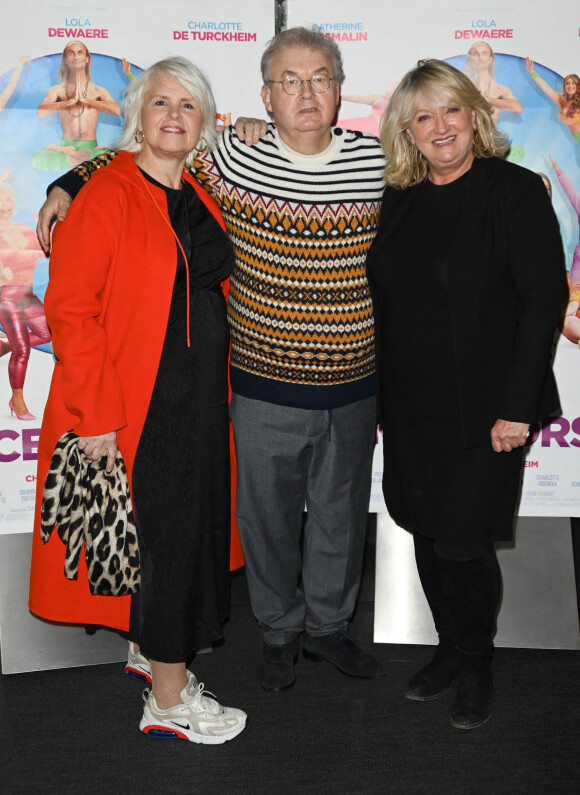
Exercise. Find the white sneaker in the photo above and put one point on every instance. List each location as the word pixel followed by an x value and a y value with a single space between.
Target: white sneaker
pixel 137 665
pixel 199 718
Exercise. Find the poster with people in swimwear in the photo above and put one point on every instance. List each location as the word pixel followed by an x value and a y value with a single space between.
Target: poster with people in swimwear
pixel 61 89
pixel 526 63
pixel 62 75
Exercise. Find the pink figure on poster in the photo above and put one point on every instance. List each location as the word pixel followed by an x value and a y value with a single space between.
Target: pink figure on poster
pixel 379 103
pixel 573 195
pixel 370 123
pixel 21 312
pixel 571 324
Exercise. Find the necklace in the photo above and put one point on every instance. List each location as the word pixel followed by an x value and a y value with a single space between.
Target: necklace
pixel 84 93
pixel 80 112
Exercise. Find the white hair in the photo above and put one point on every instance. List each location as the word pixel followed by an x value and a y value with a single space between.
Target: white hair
pixel 191 78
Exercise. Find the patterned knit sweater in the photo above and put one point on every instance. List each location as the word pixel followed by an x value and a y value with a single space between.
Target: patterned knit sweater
pixel 299 304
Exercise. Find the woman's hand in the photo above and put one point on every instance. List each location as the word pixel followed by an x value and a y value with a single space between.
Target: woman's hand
pixel 506 436
pixel 95 447
pixel 529 65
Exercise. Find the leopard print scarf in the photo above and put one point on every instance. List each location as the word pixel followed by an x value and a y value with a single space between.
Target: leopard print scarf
pixel 90 505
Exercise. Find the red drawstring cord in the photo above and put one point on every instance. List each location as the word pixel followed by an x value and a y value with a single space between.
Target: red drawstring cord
pixel 168 222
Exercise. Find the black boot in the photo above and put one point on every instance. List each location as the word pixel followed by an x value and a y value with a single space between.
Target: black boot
pixel 435 678
pixel 474 588
pixel 473 701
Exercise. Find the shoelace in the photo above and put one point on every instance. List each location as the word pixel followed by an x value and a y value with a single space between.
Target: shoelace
pixel 206 703
pixel 197 694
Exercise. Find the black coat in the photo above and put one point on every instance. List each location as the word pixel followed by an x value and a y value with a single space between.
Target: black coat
pixel 507 285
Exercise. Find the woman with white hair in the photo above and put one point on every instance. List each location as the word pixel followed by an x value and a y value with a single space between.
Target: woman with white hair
pixel 140 334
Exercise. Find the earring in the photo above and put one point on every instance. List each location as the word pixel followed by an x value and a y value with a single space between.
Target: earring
pixel 139 136
pixel 201 145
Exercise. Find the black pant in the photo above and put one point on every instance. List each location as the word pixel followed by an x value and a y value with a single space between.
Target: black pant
pixel 463 589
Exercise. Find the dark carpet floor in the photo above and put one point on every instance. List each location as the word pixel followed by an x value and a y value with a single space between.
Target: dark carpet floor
pixel 76 730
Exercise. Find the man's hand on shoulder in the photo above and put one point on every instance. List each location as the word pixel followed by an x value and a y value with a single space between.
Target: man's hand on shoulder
pixel 250 130
pixel 57 204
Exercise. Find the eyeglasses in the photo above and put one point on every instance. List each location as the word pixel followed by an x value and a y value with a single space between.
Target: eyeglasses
pixel 292 84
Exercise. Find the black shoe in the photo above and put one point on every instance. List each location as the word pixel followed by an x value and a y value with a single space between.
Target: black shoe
pixel 277 669
pixel 339 650
pixel 474 698
pixel 435 678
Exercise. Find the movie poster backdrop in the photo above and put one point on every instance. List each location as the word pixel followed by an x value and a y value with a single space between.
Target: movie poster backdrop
pixel 518 55
pixel 380 43
pixel 38 143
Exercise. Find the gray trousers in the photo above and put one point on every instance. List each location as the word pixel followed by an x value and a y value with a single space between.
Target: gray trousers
pixel 288 458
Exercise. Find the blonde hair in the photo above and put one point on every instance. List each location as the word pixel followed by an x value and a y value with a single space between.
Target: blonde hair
pixel 192 80
pixel 406 165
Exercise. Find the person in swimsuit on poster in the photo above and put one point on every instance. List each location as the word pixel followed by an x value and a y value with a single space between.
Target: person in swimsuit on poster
pixel 370 123
pixel 571 324
pixel 78 101
pixel 21 312
pixel 568 101
pixel 480 68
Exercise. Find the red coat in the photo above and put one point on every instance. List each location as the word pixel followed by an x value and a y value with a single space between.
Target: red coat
pixel 107 304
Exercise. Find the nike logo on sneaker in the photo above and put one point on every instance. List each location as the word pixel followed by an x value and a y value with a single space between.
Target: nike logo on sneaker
pixel 181 725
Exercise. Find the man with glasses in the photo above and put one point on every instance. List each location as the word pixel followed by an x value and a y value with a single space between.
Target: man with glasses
pixel 302 207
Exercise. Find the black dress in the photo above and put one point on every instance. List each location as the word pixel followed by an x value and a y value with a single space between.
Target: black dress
pixel 432 485
pixel 181 475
